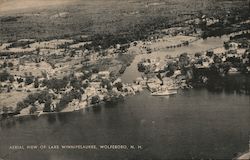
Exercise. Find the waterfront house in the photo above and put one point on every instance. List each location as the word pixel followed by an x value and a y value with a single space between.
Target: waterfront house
pixel 154 80
pixel 233 45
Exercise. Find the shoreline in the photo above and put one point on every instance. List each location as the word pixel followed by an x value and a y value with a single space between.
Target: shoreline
pixel 244 156
pixel 87 106
pixel 61 112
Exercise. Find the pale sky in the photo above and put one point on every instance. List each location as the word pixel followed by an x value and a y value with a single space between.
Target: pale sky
pixel 11 5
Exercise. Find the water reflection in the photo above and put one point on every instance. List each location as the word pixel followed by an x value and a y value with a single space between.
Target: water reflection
pixel 20 120
pixel 114 102
pixel 233 84
pixel 8 123
pixel 34 117
pixel 63 117
pixel 194 124
pixel 51 118
pixel 97 108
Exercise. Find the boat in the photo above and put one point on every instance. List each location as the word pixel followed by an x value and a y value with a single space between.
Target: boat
pixel 173 88
pixel 164 93
pixel 233 71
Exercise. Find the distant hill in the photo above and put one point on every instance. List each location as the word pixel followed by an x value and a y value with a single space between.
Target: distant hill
pixel 22 19
pixel 11 6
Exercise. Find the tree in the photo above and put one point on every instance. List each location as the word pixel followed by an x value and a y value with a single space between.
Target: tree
pixel 72 53
pixel 112 76
pixel 56 84
pixel 44 96
pixel 183 60
pixel 4 76
pixel 95 99
pixel 85 85
pixel 31 98
pixel 9 88
pixel 75 83
pixel 5 110
pixel 33 109
pixel 11 78
pixel 10 64
pixel 217 59
pixel 20 106
pixel 141 67
pixel 95 70
pixel 36 83
pixel 19 80
pixel 119 86
pixel 198 54
pixel 226 45
pixel 106 83
pixel 5 64
pixel 37 50
pixel 171 68
pixel 67 98
pixel 47 106
pixel 209 53
pixel 29 80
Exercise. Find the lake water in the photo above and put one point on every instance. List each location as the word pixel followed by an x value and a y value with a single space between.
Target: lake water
pixel 192 124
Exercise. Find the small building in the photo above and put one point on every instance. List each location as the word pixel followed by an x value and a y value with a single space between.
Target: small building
pixel 96 85
pixel 233 45
pixel 90 92
pixel 104 74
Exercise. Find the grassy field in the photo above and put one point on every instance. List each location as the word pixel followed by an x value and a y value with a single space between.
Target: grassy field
pixel 116 17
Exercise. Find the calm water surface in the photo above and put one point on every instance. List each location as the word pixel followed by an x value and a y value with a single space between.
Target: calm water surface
pixel 193 124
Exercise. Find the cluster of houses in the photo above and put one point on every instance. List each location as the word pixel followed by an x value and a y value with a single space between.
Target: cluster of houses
pixel 235 56
pixel 203 19
pixel 95 88
pixel 233 53
pixel 55 59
